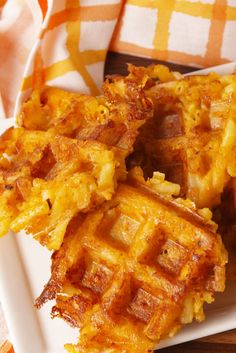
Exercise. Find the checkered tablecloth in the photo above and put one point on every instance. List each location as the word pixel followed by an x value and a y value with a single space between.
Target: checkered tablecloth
pixel 190 32
pixel 64 42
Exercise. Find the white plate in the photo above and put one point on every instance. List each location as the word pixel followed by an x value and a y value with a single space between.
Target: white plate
pixel 25 268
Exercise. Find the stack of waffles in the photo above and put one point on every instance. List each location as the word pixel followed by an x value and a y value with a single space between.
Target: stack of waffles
pixel 128 190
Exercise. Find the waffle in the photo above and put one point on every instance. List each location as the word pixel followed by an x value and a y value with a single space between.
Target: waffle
pixel 134 261
pixel 112 118
pixel 47 179
pixel 136 269
pixel 78 144
pixel 191 137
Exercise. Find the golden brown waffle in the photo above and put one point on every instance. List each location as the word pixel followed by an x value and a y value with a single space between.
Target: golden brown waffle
pixel 45 180
pixel 191 137
pixel 136 269
pixel 67 156
pixel 112 118
pixel 135 264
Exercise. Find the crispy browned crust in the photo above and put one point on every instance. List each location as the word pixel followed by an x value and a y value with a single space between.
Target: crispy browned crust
pixel 133 260
pixel 72 147
pixel 112 118
pixel 139 264
pixel 191 136
pixel 47 179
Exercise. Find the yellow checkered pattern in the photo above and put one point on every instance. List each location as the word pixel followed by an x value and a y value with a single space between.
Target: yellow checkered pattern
pixel 70 47
pixel 192 32
pixel 73 45
pixel 76 35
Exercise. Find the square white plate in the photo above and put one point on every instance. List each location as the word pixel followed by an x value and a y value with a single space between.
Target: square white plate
pixel 25 268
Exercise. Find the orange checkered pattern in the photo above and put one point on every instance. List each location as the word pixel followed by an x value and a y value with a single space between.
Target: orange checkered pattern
pixel 20 24
pixel 64 42
pixel 73 44
pixel 71 50
pixel 191 32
